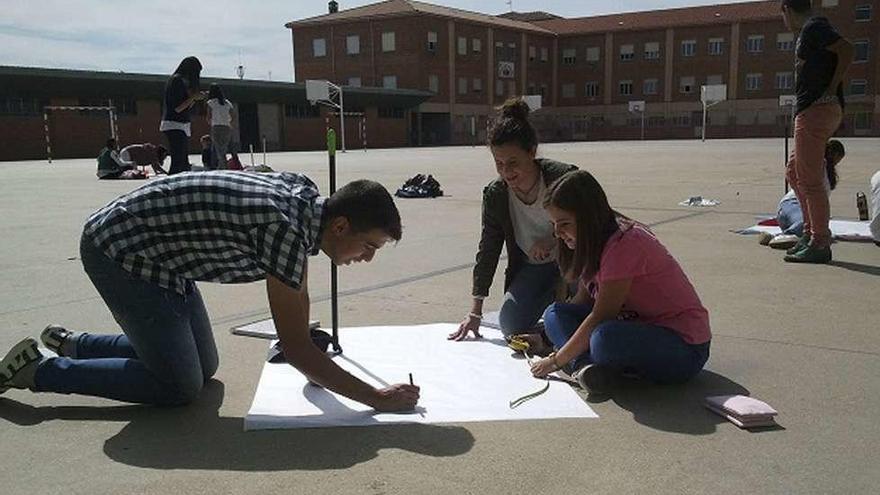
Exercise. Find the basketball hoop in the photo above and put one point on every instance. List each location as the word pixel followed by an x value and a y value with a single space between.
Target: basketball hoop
pixel 711 95
pixel 325 92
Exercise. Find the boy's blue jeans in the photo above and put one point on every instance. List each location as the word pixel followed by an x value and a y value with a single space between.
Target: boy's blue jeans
pixel 165 356
pixel 656 353
pixel 791 217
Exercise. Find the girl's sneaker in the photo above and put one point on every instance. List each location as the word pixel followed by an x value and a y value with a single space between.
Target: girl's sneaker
pixel 18 367
pixel 59 340
pixel 594 379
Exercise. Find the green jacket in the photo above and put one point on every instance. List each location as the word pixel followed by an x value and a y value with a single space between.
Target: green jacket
pixel 498 230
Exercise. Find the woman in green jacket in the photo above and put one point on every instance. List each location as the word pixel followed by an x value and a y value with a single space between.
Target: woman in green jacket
pixel 513 215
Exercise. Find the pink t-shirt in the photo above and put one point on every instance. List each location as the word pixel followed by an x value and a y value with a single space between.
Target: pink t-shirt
pixel 661 293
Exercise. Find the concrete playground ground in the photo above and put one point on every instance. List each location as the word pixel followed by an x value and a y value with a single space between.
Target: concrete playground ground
pixel 802 338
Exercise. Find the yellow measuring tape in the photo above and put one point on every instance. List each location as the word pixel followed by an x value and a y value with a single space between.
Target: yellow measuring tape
pixel 521 345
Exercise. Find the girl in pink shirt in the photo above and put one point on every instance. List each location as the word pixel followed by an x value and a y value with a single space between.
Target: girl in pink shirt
pixel 635 310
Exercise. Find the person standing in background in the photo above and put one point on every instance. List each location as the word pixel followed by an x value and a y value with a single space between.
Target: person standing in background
pixel 221 115
pixel 181 93
pixel 823 57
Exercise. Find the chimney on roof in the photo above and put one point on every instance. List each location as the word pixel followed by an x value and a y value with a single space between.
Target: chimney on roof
pixel 333 6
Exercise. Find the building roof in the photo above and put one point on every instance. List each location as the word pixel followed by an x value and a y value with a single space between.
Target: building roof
pixel 38 81
pixel 530 16
pixel 662 19
pixel 393 8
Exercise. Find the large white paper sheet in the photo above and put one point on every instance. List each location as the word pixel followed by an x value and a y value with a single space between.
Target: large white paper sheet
pixel 460 382
pixel 844 230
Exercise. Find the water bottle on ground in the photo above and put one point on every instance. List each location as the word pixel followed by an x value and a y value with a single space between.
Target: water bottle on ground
pixel 862 206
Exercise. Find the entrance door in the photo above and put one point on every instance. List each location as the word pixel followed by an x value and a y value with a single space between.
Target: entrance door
pixel 249 122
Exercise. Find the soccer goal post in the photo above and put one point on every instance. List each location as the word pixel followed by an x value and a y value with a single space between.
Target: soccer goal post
pixel 111 115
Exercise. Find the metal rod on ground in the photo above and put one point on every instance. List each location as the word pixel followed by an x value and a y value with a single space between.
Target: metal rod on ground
pixel 785 157
pixel 264 151
pixel 334 306
pixel 46 129
pixel 252 154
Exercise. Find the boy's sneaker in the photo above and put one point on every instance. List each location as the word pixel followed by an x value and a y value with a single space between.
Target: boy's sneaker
pixel 784 241
pixel 764 238
pixel 811 254
pixel 18 367
pixel 59 340
pixel 593 379
pixel 801 244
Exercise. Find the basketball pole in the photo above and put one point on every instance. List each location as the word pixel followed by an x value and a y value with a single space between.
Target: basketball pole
pixel 334 303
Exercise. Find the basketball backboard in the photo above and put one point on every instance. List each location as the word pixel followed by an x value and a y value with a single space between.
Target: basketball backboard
pixel 713 93
pixel 317 90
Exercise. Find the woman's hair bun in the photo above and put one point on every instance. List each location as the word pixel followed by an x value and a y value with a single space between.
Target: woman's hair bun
pixel 515 108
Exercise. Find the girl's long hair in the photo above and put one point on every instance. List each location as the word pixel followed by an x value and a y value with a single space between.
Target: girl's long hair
pixel 578 192
pixel 190 69
pixel 833 149
pixel 217 92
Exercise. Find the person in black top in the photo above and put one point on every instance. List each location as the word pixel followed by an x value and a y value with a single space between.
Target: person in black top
pixel 181 93
pixel 823 57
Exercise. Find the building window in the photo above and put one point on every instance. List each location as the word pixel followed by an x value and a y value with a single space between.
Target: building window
pixel 319 47
pixel 432 41
pixel 753 82
pixel 354 82
pixel 626 88
pixel 462 45
pixel 569 56
pixel 785 42
pixel 13 105
pixel 434 83
pixel 545 54
pixel 477 45
pixel 388 42
pixel 389 82
pixel 863 121
pixel 533 53
pixel 627 52
pixel 478 85
pixel 829 3
pixel 714 80
pixel 652 50
pixel 861 50
pixel 688 48
pixel 755 43
pixel 499 87
pixel 353 44
pixel 650 86
pixel 292 111
pixel 568 90
pixel 863 12
pixel 784 80
pixel 858 87
pixel 592 54
pixel 391 113
pixel 462 85
pixel 686 85
pixel 591 89
pixel 716 46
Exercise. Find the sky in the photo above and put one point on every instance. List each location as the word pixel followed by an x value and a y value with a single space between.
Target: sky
pixel 152 37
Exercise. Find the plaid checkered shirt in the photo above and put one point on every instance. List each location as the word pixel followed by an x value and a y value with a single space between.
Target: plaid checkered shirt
pixel 226 227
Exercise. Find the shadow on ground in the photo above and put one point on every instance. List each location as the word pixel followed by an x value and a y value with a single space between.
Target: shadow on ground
pixel 678 408
pixel 857 267
pixel 196 437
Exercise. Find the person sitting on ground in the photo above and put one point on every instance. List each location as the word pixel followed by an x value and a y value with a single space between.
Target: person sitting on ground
pixel 145 251
pixel 139 155
pixel 635 311
pixel 790 215
pixel 513 216
pixel 111 167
